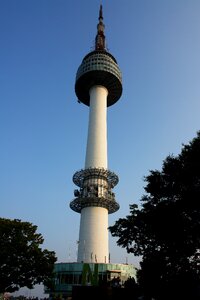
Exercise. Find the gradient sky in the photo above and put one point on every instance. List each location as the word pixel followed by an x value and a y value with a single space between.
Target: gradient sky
pixel 43 129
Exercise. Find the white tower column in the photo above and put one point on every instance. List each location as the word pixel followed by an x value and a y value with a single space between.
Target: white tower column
pixel 96 154
pixel 93 234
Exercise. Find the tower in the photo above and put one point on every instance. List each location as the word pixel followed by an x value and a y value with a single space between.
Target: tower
pixel 98 85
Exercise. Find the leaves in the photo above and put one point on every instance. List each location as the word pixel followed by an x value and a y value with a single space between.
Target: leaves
pixel 22 261
pixel 166 230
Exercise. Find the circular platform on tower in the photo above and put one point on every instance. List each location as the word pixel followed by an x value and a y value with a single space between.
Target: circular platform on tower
pixel 99 68
pixel 83 174
pixel 79 203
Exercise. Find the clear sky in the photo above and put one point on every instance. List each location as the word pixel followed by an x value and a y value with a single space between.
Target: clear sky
pixel 43 129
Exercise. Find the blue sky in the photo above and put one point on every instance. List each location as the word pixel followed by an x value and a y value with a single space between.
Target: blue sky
pixel 44 129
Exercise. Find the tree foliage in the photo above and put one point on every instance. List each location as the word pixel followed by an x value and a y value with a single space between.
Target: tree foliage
pixel 22 261
pixel 165 231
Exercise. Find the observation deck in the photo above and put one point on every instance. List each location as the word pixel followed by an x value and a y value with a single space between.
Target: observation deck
pixel 99 67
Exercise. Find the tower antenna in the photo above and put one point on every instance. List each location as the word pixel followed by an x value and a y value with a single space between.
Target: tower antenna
pixel 100 43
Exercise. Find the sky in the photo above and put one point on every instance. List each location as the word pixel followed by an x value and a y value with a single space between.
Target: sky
pixel 43 128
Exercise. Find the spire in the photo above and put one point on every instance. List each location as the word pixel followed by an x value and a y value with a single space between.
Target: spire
pixel 100 37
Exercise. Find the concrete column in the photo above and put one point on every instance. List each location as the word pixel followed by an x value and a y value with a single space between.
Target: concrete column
pixel 96 153
pixel 93 235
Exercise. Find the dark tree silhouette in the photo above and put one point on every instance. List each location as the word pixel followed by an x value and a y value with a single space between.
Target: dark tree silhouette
pixel 165 231
pixel 22 261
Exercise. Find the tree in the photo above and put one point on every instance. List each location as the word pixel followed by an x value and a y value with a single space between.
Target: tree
pixel 22 261
pixel 165 231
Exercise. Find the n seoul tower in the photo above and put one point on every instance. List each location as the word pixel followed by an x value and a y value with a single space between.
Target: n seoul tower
pixel 98 85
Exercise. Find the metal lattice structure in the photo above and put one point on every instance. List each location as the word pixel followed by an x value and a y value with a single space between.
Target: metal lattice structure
pixel 78 203
pixel 83 174
pixel 96 186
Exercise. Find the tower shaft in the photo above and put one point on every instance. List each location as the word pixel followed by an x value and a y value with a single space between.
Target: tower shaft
pixel 96 153
pixel 93 233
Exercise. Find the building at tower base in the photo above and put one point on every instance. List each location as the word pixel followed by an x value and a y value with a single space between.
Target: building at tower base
pixel 69 276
